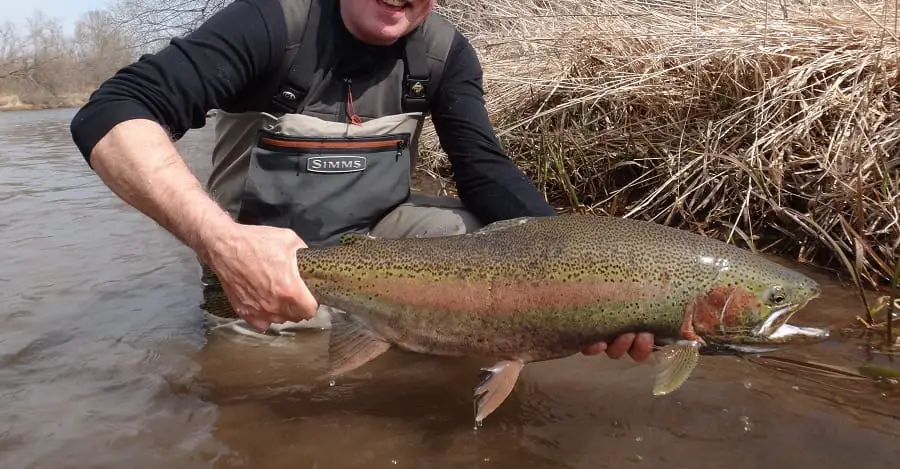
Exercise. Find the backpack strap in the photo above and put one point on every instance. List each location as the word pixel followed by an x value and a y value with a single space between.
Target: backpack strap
pixel 423 64
pixel 425 61
pixel 292 93
pixel 416 87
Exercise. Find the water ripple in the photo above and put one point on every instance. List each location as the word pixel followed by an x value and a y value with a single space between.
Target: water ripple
pixel 104 363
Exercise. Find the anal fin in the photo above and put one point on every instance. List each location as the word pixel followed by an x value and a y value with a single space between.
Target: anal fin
pixel 675 363
pixel 495 387
pixel 351 344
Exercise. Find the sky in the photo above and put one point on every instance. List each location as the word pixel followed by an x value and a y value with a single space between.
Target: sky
pixel 67 11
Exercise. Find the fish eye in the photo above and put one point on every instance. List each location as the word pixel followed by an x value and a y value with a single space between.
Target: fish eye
pixel 776 295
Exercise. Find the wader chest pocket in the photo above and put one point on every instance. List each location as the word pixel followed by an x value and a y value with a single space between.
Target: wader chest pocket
pixel 325 187
pixel 336 155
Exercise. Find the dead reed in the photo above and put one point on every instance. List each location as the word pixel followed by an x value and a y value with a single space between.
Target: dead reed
pixel 773 124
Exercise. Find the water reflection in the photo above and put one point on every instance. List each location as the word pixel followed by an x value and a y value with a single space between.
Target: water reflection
pixel 104 363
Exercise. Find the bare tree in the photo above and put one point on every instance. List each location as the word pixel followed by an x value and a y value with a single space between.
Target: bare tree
pixel 10 63
pixel 101 47
pixel 43 68
pixel 155 22
pixel 49 62
pixel 8 41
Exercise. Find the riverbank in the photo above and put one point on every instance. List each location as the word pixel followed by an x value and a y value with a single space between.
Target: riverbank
pixel 13 102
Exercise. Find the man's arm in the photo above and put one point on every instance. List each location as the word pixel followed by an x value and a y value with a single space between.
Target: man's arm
pixel 177 86
pixel 138 162
pixel 124 133
pixel 488 182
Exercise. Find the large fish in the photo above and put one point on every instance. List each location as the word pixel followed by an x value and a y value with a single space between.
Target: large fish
pixel 535 289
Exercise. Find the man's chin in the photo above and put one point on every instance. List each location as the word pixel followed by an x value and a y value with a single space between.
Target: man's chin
pixel 386 35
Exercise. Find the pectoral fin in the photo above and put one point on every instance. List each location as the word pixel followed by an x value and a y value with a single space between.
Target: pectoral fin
pixel 674 365
pixel 498 381
pixel 351 344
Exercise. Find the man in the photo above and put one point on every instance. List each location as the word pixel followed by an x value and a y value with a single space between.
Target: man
pixel 321 104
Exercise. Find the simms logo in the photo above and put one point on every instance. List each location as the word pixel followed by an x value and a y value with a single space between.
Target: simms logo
pixel 336 164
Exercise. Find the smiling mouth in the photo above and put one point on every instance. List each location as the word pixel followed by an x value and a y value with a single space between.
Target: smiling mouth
pixel 396 4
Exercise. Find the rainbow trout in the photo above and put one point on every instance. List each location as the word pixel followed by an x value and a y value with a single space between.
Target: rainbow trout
pixel 535 289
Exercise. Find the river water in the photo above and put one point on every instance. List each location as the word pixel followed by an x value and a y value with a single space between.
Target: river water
pixel 105 362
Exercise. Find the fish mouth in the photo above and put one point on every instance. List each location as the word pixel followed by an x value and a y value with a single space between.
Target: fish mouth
pixel 716 348
pixel 789 331
pixel 781 338
pixel 778 319
pixel 777 329
pixel 772 335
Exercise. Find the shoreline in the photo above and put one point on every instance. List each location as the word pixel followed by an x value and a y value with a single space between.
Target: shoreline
pixel 32 107
pixel 12 102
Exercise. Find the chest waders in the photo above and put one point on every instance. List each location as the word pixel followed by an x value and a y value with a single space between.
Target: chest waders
pixel 331 155
pixel 341 154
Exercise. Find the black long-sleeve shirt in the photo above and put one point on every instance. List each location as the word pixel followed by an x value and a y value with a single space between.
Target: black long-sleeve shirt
pixel 243 44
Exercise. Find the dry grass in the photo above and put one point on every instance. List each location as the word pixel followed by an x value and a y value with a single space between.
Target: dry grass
pixel 771 124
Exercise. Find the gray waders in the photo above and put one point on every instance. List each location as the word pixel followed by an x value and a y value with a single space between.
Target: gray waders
pixel 331 165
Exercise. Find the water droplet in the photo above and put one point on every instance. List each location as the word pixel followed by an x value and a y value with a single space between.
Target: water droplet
pixel 639 439
pixel 393 461
pixel 748 384
pixel 795 388
pixel 487 459
pixel 748 425
pixel 331 383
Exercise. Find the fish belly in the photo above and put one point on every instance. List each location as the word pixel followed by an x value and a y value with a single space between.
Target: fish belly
pixel 529 336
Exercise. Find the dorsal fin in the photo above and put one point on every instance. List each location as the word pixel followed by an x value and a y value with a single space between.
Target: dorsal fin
pixel 503 225
pixel 353 238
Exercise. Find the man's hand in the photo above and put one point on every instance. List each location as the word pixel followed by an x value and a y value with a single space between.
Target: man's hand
pixel 257 267
pixel 639 346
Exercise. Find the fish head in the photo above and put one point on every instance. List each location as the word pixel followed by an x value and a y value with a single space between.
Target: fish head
pixel 749 308
pixel 745 310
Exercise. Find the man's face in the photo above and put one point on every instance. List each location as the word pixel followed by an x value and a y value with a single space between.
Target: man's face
pixel 382 22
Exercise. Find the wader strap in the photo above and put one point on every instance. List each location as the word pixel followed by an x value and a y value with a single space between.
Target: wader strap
pixel 292 94
pixel 415 84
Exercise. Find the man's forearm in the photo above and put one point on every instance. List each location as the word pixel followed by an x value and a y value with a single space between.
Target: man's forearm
pixel 139 163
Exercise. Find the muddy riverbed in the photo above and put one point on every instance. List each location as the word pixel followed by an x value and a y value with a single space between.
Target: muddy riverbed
pixel 105 362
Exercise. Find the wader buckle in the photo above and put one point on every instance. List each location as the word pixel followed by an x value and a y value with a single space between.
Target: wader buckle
pixel 416 87
pixel 415 94
pixel 287 99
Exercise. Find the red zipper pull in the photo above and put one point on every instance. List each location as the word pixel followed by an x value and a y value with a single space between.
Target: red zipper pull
pixel 351 111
